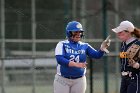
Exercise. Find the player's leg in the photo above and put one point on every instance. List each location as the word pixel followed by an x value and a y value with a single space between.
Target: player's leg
pixel 79 85
pixel 139 82
pixel 124 85
pixel 60 85
pixel 134 86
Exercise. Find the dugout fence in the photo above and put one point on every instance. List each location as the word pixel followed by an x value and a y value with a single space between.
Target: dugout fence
pixel 30 30
pixel 37 73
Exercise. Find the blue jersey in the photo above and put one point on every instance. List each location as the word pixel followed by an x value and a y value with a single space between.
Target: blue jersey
pixel 67 51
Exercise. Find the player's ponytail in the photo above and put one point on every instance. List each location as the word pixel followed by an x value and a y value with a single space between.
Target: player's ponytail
pixel 136 32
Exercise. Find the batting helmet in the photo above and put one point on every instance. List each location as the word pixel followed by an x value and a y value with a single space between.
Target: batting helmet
pixel 73 26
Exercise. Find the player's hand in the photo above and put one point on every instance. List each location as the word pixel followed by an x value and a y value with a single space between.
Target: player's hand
pixel 133 63
pixel 105 44
pixel 136 65
pixel 79 65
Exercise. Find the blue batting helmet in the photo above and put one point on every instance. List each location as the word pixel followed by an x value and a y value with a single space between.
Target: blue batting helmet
pixel 73 26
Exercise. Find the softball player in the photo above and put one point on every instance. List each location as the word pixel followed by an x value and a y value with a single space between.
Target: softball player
pixel 71 58
pixel 130 75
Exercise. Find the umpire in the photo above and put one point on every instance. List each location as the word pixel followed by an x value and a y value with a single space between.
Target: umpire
pixel 129 57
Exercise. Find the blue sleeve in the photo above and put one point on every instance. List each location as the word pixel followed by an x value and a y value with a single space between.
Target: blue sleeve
pixel 91 52
pixel 61 60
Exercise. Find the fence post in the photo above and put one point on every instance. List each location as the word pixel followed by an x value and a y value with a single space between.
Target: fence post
pixel 104 29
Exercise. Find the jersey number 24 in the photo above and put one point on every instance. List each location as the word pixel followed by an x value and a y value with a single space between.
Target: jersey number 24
pixel 74 58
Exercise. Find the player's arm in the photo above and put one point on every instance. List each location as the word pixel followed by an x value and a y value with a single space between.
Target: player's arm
pixel 59 54
pixel 65 62
pixel 98 54
pixel 93 53
pixel 62 61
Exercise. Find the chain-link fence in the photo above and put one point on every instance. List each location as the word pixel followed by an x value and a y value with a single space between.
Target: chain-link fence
pixel 35 75
pixel 30 30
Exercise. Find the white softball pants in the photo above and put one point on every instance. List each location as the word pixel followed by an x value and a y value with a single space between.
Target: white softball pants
pixel 64 85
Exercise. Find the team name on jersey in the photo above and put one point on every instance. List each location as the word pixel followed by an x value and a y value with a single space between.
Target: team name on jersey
pixel 69 50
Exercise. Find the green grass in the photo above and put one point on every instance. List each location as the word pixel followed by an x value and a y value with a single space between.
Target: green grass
pixel 98 86
pixel 28 89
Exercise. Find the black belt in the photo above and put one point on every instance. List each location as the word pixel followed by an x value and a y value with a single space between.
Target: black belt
pixel 71 77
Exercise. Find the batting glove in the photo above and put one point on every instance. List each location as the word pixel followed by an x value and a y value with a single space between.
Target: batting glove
pixel 105 44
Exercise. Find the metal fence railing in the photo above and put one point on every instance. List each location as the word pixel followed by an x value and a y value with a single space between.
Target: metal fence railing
pixel 30 30
pixel 35 75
